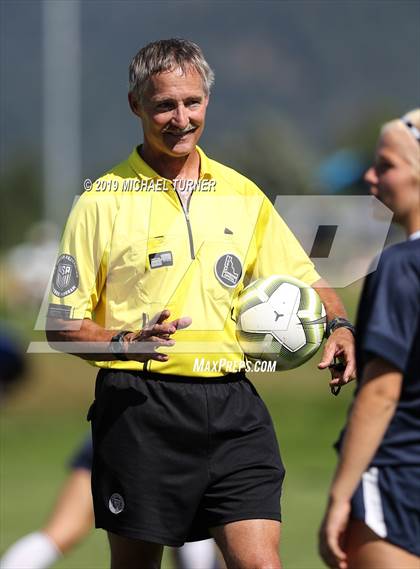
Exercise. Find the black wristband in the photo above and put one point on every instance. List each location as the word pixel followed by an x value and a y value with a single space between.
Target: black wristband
pixel 116 346
pixel 338 322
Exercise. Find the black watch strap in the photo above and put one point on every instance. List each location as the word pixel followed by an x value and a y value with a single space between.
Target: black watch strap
pixel 116 346
pixel 338 322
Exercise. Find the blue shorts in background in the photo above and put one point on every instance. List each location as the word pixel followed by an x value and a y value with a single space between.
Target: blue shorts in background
pixel 388 502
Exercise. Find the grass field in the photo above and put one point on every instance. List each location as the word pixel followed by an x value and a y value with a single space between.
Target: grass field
pixel 44 421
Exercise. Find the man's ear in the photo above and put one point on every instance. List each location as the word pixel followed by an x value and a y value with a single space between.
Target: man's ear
pixel 134 105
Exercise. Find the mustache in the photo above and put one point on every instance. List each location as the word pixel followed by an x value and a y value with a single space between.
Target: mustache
pixel 185 130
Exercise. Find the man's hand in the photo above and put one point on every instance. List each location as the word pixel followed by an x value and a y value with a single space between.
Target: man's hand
pixel 332 534
pixel 341 342
pixel 141 346
pixel 340 345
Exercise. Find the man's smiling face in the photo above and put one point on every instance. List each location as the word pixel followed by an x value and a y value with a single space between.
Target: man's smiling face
pixel 173 111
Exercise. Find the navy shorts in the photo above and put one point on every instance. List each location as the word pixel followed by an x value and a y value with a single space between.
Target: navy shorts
pixel 82 458
pixel 388 502
pixel 176 456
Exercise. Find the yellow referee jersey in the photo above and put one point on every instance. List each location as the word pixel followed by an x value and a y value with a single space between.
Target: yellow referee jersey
pixel 129 250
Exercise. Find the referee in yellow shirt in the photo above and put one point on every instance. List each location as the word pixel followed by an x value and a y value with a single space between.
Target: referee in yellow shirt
pixel 152 260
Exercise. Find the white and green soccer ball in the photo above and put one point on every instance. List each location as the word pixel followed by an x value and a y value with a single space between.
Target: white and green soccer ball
pixel 280 319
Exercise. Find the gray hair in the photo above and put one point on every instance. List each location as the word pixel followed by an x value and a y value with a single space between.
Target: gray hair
pixel 166 55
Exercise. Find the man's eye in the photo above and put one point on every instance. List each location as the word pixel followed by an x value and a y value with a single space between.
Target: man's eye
pixel 163 106
pixel 194 103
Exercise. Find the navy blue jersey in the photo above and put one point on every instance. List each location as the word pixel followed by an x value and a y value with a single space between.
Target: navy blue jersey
pixel 83 456
pixel 388 326
pixel 12 363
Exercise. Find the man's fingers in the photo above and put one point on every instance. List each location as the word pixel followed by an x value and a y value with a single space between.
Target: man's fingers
pixel 164 315
pixel 159 357
pixel 182 322
pixel 349 372
pixel 348 356
pixel 159 341
pixel 149 346
pixel 171 327
pixel 155 342
pixel 341 374
pixel 163 329
pixel 327 356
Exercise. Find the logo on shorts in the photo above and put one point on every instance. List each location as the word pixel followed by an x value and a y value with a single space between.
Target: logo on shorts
pixel 116 503
pixel 228 269
pixel 66 276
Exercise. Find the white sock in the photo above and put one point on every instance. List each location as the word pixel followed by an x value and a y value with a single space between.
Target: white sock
pixel 198 555
pixel 33 551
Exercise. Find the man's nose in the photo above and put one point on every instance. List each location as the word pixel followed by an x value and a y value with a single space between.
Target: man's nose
pixel 180 117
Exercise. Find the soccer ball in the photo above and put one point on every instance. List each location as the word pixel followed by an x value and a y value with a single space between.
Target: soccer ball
pixel 280 319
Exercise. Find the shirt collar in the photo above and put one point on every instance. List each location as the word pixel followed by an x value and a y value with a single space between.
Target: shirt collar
pixel 205 170
pixel 145 171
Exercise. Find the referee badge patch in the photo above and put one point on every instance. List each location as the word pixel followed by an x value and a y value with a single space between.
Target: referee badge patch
pixel 116 503
pixel 228 270
pixel 163 259
pixel 66 276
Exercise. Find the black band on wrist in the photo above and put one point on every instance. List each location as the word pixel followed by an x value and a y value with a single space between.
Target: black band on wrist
pixel 116 346
pixel 338 322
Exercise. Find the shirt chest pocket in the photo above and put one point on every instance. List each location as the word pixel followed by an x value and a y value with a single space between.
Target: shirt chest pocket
pixel 165 260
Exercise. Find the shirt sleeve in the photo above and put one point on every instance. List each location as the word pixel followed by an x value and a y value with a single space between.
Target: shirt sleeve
pixel 277 249
pixel 81 266
pixel 392 299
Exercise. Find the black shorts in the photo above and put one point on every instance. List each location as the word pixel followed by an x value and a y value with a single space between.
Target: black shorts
pixel 388 501
pixel 175 456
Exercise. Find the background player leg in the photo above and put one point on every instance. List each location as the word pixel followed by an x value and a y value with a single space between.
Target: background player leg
pixel 70 521
pixel 249 544
pixel 366 550
pixel 133 553
pixel 197 555
pixel 72 517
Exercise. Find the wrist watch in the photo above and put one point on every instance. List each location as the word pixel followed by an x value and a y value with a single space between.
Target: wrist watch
pixel 338 322
pixel 116 346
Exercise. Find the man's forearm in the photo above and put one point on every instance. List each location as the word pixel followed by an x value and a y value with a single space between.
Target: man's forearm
pixel 332 302
pixel 82 338
pixel 88 340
